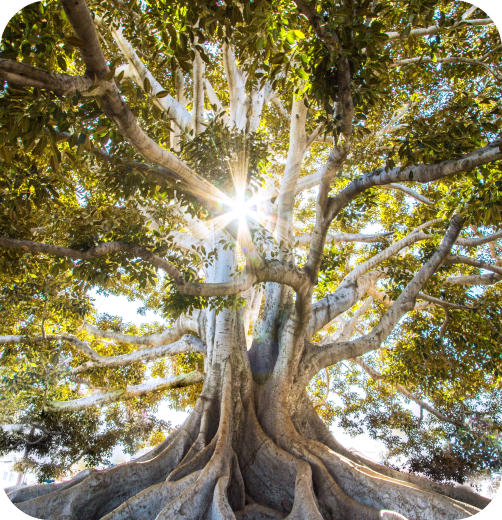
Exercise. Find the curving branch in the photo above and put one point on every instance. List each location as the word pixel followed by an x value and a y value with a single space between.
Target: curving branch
pixel 138 71
pixel 102 250
pixel 400 388
pixel 333 305
pixel 347 237
pixel 73 340
pixel 411 193
pixel 458 259
pixel 475 242
pixel 435 29
pixel 392 250
pixel 116 109
pixel 187 343
pixel 317 358
pixel 185 323
pixel 423 173
pixel 448 60
pixel 24 75
pixel 386 300
pixel 442 303
pixel 113 396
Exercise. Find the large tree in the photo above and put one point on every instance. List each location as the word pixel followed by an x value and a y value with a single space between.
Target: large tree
pixel 298 188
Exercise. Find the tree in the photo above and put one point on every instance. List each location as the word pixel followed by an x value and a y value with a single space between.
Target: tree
pixel 294 186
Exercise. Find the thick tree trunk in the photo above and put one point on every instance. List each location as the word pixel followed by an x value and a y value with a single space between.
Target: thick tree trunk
pixel 242 454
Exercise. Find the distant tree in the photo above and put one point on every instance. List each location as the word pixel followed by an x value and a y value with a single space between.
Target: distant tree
pixel 302 190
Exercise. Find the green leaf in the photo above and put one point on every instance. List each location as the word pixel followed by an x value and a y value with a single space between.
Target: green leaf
pixel 62 62
pixel 146 85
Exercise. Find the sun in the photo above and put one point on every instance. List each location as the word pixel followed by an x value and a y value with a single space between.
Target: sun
pixel 240 210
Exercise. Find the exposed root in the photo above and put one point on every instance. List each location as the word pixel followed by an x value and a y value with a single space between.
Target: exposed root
pixel 310 426
pixel 103 491
pixel 378 492
pixel 152 500
pixel 221 465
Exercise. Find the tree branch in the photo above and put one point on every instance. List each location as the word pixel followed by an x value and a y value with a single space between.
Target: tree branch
pixel 412 193
pixel 347 237
pixel 198 71
pixel 187 343
pixel 333 305
pixel 215 100
pixel 317 358
pixel 97 252
pixel 185 323
pixel 377 376
pixel 474 279
pixel 176 110
pixel 113 396
pixel 424 173
pixel 116 109
pixel 452 60
pixel 24 75
pixel 475 242
pixel 434 29
pixel 458 259
pixel 442 303
pixel 73 340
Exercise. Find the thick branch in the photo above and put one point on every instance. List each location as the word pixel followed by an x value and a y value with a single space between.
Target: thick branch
pixel 113 396
pixel 24 75
pixel 424 173
pixel 116 109
pixel 215 100
pixel 474 279
pixel 318 358
pixel 185 323
pixel 377 376
pixel 176 110
pixel 187 343
pixel 333 305
pixel 392 250
pixel 73 340
pixel 97 252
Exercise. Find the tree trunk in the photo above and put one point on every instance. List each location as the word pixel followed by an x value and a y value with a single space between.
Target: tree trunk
pixel 243 454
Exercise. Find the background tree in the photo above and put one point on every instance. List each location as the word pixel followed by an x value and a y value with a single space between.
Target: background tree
pixel 291 186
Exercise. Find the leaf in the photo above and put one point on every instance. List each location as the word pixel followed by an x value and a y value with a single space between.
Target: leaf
pixel 72 40
pixel 6 154
pixel 147 86
pixel 62 63
pixel 110 75
pixel 301 74
pixel 162 94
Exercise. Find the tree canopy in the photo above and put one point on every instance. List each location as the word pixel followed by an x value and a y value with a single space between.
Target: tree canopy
pixel 348 151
